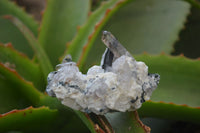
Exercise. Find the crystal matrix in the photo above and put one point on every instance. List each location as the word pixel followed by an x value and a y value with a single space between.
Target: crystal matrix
pixel 120 84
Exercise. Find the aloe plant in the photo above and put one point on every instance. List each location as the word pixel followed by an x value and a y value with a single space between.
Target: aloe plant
pixel 148 28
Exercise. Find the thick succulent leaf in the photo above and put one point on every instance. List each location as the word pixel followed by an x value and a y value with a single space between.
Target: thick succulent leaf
pixel 10 98
pixel 71 126
pixel 179 83
pixel 88 122
pixel 152 26
pixel 28 120
pixel 24 66
pixel 67 119
pixel 25 88
pixel 102 122
pixel 179 78
pixel 9 33
pixel 170 111
pixel 159 125
pixel 87 33
pixel 169 126
pixel 189 41
pixel 43 60
pixel 9 8
pixel 65 112
pixel 96 124
pixel 59 25
pixel 127 123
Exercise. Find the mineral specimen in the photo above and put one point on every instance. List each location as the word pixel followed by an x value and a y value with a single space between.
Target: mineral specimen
pixel 119 84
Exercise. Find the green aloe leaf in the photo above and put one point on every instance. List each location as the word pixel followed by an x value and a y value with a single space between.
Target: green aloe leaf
pixel 10 98
pixel 9 8
pixel 179 83
pixel 87 121
pixel 67 119
pixel 127 123
pixel 179 78
pixel 59 25
pixel 65 112
pixel 27 120
pixel 43 59
pixel 170 111
pixel 24 66
pixel 25 88
pixel 188 44
pixel 101 123
pixel 81 44
pixel 152 26
pixel 9 33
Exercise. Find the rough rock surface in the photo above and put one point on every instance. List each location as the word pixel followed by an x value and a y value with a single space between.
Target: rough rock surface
pixel 119 84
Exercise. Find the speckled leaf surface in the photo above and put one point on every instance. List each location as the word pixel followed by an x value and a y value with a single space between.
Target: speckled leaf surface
pixel 59 25
pixel 24 66
pixel 27 120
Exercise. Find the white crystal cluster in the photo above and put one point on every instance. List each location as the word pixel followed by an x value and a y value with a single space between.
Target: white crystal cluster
pixel 123 86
